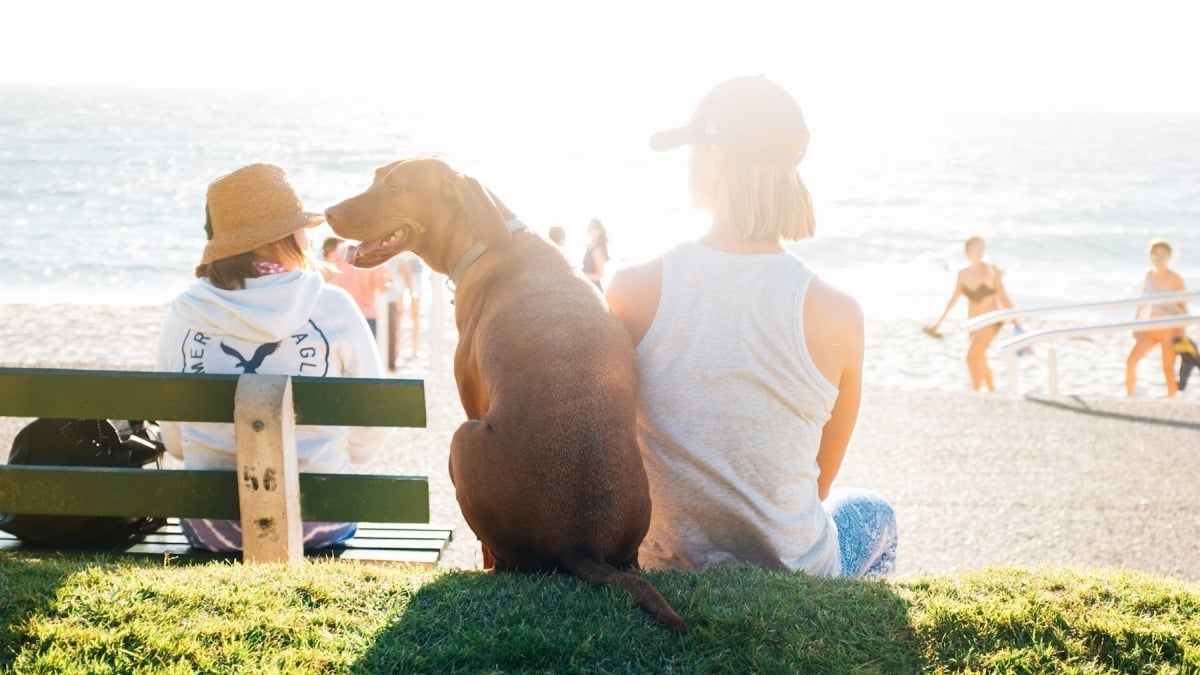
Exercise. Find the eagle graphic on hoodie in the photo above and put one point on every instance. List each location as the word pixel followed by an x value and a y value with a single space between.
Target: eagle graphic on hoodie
pixel 292 323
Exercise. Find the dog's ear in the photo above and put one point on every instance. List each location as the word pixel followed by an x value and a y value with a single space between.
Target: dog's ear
pixel 504 212
pixel 486 218
pixel 384 170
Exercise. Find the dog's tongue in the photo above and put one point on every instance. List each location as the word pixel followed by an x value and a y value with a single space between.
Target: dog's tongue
pixel 375 253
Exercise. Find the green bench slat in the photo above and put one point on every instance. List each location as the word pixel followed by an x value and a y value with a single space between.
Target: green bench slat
pixel 416 534
pixel 203 494
pixel 169 541
pixel 121 394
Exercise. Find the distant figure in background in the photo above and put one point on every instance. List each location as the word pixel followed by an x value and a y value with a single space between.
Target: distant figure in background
pixel 362 285
pixel 558 236
pixel 328 248
pixel 1159 280
pixel 982 284
pixel 1189 358
pixel 258 306
pixel 596 255
pixel 408 277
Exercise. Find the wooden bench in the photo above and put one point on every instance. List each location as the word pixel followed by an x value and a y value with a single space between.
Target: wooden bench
pixel 266 491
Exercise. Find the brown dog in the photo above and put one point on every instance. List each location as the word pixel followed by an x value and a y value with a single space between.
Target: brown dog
pixel 547 469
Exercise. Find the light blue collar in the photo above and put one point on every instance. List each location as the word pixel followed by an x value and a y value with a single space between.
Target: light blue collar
pixel 478 249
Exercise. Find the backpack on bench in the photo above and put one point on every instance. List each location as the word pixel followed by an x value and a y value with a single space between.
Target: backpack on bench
pixel 84 442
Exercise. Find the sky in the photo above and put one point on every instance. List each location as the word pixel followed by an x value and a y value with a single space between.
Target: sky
pixel 910 58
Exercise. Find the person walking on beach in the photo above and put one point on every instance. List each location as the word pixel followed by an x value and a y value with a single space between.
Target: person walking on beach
pixel 749 366
pixel 1159 279
pixel 983 286
pixel 257 306
pixel 596 255
pixel 407 274
pixel 362 285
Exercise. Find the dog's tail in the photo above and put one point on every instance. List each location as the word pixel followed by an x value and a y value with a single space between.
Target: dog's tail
pixel 587 562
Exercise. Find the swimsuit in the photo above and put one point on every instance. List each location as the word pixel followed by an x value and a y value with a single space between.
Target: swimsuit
pixel 981 292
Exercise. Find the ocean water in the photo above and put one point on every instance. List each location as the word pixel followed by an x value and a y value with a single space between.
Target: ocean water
pixel 102 190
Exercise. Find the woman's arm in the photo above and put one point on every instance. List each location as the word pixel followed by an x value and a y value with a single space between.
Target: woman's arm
pixel 633 295
pixel 954 296
pixel 1001 294
pixel 835 437
pixel 1180 287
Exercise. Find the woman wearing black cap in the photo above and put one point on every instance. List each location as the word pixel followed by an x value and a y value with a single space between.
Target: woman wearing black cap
pixel 750 367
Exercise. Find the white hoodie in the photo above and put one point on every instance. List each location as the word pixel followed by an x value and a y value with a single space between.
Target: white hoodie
pixel 283 324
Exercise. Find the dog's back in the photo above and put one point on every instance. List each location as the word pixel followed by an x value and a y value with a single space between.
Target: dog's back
pixel 558 370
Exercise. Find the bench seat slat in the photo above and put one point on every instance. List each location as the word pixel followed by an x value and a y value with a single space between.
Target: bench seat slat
pixel 204 494
pixel 365 530
pixel 124 394
pixel 169 541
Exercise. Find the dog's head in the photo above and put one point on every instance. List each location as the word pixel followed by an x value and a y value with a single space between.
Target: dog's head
pixel 420 205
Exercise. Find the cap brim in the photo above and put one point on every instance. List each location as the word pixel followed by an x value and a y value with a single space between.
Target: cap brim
pixel 671 139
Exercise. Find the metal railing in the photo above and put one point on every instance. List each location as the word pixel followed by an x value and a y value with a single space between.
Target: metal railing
pixel 1024 312
pixel 1011 346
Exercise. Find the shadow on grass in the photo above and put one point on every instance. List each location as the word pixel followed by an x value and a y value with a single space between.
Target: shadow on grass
pixel 28 586
pixel 741 621
pixel 1081 406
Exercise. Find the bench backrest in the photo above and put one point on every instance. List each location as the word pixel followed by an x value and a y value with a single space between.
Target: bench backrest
pixel 122 394
pixel 266 491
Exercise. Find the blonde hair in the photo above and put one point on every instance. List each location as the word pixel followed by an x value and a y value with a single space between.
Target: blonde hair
pixel 767 201
pixel 1160 243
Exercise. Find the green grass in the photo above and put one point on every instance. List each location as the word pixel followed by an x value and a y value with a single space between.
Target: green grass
pixel 96 616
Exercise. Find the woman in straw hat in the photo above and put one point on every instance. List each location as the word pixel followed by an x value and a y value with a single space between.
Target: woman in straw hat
pixel 257 307
pixel 749 367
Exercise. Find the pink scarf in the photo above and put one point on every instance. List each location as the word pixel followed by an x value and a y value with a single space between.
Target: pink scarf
pixel 264 267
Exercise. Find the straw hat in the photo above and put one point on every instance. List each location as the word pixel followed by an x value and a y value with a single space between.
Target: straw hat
pixel 251 207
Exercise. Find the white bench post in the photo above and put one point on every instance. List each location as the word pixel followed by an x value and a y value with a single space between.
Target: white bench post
pixel 1011 359
pixel 1052 367
pixel 267 469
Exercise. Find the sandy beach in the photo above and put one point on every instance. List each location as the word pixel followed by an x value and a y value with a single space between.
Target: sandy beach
pixel 1086 478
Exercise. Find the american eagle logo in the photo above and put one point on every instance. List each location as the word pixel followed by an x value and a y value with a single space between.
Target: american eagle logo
pixel 251 365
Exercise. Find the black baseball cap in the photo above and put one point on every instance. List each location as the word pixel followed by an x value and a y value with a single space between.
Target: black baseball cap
pixel 750 118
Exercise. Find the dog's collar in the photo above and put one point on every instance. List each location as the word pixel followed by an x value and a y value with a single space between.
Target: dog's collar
pixel 478 249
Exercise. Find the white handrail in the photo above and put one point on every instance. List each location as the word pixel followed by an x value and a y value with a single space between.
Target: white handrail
pixel 1010 346
pixel 1023 312
pixel 1028 339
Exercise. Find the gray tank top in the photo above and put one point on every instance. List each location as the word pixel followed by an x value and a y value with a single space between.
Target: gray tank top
pixel 731 410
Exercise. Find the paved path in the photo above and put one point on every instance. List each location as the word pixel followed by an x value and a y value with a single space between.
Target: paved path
pixel 980 480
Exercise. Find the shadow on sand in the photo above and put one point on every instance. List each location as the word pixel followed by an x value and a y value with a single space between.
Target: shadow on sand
pixel 1079 405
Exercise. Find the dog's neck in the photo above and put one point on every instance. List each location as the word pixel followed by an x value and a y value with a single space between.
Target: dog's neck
pixel 476 251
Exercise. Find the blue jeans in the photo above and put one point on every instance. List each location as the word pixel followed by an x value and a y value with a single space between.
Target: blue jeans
pixel 226 535
pixel 867 535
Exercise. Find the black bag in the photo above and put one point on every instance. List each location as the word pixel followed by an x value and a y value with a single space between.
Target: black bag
pixel 98 443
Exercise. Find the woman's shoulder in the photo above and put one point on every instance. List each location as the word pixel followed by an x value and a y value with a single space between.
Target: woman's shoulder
pixel 834 305
pixel 635 280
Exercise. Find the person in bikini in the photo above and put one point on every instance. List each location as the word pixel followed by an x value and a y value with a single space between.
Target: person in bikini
pixel 983 287
pixel 1159 280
